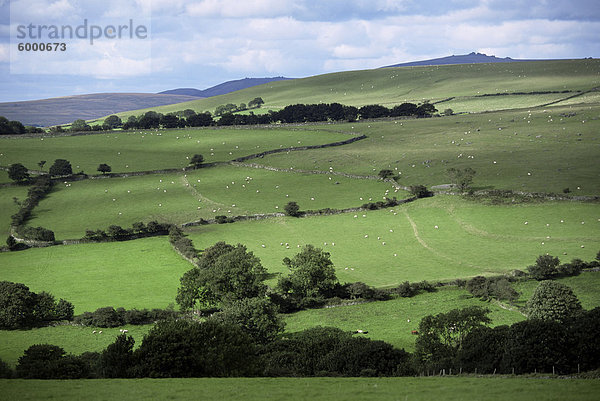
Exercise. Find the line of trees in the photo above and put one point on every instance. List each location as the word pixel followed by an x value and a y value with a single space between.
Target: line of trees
pixel 298 113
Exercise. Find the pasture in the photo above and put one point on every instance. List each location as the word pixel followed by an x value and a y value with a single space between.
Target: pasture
pixel 392 321
pixel 387 247
pixel 392 86
pixel 205 193
pixel 142 150
pixel 321 388
pixel 134 274
pixel 537 150
pixel 73 339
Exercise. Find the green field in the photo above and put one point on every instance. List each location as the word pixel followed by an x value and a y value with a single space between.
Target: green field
pixel 134 274
pixel 389 320
pixel 324 388
pixel 471 238
pixel 515 146
pixel 391 86
pixel 73 339
pixel 534 150
pixel 128 151
pixel 178 198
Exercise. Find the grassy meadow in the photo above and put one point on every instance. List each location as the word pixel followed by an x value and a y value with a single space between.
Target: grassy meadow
pixel 204 193
pixel 133 274
pixel 509 141
pixel 537 150
pixel 471 238
pixel 141 150
pixel 322 388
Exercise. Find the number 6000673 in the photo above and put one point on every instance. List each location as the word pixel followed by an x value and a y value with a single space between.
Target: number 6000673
pixel 42 47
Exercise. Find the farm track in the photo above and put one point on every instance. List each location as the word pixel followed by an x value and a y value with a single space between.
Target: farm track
pixel 429 248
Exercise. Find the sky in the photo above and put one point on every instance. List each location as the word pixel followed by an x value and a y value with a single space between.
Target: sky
pixel 201 43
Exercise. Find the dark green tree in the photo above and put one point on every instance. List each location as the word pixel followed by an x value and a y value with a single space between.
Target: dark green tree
pixel 385 173
pixel 117 359
pixel 224 274
pixel 197 160
pixel 80 125
pixel 312 274
pixel 113 121
pixel 552 300
pixel 255 103
pixel 185 348
pixel 18 172
pixel 441 336
pixel 258 317
pixel 64 310
pixel 41 164
pixel 292 209
pixel 462 179
pixel 104 168
pixel 546 267
pixel 61 167
pixel 16 305
pixel 420 191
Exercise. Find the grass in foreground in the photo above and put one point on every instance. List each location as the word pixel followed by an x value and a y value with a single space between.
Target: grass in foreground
pixel 322 388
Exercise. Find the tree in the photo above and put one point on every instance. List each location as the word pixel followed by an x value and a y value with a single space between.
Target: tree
pixel 552 300
pixel 385 173
pixel 292 209
pixel 257 316
pixel 44 309
pixel 113 121
pixel 441 336
pixel 462 179
pixel 183 348
pixel 546 267
pixel 448 112
pixel 197 160
pixel 18 172
pixel 225 273
pixel 80 125
pixel 117 359
pixel 16 305
pixel 420 191
pixel 255 103
pixel 64 310
pixel 61 167
pixel 425 110
pixel 312 274
pixel 403 110
pixel 104 168
pixel 41 164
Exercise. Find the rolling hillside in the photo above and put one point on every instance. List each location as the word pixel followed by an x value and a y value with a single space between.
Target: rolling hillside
pixel 463 87
pixel 63 110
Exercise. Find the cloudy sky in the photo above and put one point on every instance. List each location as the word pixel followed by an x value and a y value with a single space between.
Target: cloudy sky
pixel 201 43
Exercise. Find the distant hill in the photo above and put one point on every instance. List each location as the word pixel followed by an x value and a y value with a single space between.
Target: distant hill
pixel 460 87
pixel 225 87
pixel 63 110
pixel 471 58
